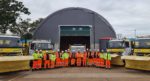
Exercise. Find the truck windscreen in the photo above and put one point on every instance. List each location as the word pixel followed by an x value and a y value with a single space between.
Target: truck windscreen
pixel 43 46
pixel 9 42
pixel 115 44
pixel 142 43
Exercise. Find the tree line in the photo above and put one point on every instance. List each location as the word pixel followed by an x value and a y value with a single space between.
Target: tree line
pixel 10 19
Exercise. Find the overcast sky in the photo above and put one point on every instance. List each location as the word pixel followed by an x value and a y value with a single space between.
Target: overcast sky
pixel 124 15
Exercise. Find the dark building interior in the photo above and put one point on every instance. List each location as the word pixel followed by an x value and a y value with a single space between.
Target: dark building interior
pixel 66 41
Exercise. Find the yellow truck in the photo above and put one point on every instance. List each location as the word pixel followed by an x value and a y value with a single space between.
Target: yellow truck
pixel 11 57
pixel 116 48
pixel 10 46
pixel 44 45
pixel 141 55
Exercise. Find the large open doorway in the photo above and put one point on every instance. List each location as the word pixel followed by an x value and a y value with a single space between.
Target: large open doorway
pixel 66 41
pixel 71 35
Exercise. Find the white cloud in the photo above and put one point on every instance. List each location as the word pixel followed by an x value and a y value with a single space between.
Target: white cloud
pixel 124 15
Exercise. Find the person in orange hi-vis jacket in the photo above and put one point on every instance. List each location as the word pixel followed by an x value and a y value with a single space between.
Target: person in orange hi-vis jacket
pixel 46 60
pixel 98 58
pixel 73 60
pixel 92 53
pixel 61 59
pixel 84 58
pixel 94 56
pixel 87 50
pixel 69 52
pixel 79 59
pixel 70 56
pixel 58 60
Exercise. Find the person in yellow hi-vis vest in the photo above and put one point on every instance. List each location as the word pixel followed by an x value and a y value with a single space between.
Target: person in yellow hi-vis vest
pixel 107 57
pixel 102 61
pixel 41 54
pixel 35 61
pixel 65 57
pixel 35 55
pixel 52 59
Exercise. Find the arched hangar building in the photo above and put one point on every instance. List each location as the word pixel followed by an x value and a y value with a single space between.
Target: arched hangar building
pixel 75 26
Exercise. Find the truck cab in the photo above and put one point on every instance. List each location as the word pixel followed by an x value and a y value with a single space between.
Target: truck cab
pixel 43 45
pixel 142 47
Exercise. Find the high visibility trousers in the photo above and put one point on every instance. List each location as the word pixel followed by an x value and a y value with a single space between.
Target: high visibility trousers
pixel 39 64
pixel 102 62
pixel 95 61
pixel 62 62
pixel 84 62
pixel 35 64
pixel 73 61
pixel 79 61
pixel 90 62
pixel 52 65
pixel 97 64
pixel 108 64
pixel 66 62
pixel 58 62
pixel 46 64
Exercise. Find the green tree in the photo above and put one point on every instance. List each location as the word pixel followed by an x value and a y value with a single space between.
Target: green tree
pixel 25 28
pixel 35 24
pixel 21 27
pixel 10 11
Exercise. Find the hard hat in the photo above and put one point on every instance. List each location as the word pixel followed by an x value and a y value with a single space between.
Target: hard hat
pixel 46 51
pixel 40 50
pixel 90 49
pixel 97 49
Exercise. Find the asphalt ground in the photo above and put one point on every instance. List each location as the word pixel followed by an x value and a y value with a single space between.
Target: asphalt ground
pixel 78 74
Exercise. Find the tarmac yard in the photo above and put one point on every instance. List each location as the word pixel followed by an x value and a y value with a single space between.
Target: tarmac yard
pixel 78 74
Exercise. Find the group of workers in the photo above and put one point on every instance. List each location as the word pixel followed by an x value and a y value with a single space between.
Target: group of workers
pixel 53 59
